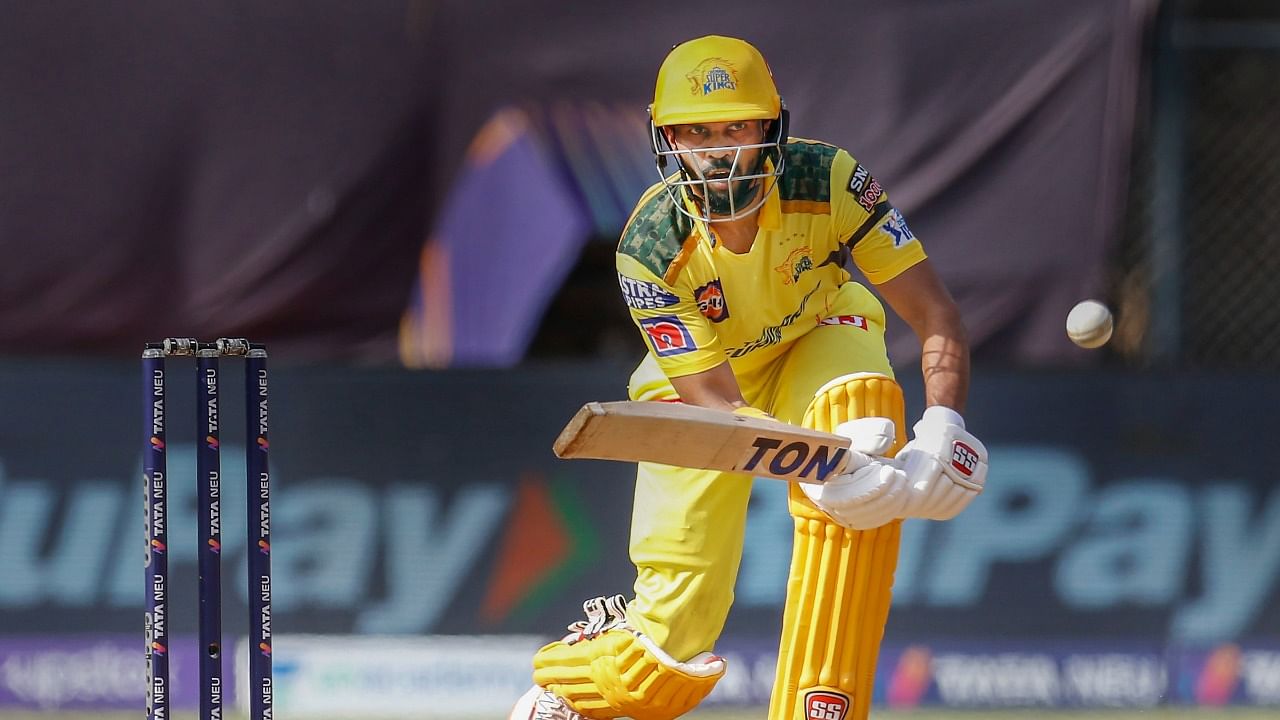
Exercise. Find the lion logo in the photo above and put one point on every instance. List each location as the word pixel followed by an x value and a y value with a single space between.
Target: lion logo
pixel 796 264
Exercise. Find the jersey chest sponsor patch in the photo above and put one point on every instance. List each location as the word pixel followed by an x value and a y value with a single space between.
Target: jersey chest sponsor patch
pixel 667 335
pixel 711 302
pixel 644 295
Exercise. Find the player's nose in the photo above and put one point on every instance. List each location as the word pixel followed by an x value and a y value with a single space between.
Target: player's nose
pixel 718 151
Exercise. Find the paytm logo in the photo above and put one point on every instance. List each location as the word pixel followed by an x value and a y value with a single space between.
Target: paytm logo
pixel 1207 554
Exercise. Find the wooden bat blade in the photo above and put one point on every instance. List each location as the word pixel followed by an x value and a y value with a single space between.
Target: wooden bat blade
pixel 701 438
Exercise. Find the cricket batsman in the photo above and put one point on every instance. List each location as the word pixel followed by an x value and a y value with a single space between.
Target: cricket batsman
pixel 739 270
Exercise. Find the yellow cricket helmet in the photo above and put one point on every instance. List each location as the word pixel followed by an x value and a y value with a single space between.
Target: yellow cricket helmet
pixel 714 79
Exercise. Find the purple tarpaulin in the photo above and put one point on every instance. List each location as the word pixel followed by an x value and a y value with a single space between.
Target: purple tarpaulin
pixel 506 239
pixel 279 165
pixel 1001 128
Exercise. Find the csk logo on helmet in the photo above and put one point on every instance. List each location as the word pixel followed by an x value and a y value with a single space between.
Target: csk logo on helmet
pixel 711 75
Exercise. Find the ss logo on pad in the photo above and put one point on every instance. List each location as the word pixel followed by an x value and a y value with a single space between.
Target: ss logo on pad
pixel 825 705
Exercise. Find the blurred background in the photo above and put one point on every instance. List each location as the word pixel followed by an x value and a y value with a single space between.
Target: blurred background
pixel 414 203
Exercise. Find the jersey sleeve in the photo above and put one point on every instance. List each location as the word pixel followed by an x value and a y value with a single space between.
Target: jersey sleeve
pixel 871 229
pixel 674 328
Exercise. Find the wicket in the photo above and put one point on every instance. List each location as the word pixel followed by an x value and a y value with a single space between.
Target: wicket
pixel 258 506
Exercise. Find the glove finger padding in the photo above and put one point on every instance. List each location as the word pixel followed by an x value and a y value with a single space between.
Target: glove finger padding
pixel 945 465
pixel 934 495
pixel 868 492
pixel 866 498
pixel 869 435
pixel 962 456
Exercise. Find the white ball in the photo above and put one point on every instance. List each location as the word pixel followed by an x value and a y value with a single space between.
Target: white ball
pixel 1089 324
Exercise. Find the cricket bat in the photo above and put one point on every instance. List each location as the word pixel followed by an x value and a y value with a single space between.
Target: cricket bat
pixel 701 438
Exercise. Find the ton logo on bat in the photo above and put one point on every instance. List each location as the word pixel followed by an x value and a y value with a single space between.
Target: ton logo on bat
pixel 797 459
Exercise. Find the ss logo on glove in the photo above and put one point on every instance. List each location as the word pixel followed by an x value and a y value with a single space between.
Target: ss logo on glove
pixel 964 458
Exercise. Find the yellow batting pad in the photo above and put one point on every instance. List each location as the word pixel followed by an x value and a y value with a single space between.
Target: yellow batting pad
pixel 618 674
pixel 840 583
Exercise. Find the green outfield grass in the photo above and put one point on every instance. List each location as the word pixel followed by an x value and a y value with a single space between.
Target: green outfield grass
pixel 1158 714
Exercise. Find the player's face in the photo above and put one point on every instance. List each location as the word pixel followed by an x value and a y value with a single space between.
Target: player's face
pixel 711 151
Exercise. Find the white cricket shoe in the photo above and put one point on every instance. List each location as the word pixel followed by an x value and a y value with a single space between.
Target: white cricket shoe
pixel 539 704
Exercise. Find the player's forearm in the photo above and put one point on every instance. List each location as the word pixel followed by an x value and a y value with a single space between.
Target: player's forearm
pixel 919 297
pixel 944 361
pixel 716 388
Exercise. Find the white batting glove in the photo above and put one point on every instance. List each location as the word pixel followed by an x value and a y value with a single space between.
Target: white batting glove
pixel 871 491
pixel 869 435
pixel 945 466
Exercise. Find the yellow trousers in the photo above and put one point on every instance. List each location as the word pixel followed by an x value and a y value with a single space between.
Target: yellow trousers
pixel 687 525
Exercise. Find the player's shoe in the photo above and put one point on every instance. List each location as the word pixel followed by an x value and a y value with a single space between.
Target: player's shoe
pixel 539 704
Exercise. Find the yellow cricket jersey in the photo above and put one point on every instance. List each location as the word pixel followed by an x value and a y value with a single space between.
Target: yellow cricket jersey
pixel 698 304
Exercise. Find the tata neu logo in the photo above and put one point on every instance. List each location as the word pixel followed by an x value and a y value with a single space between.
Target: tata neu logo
pixel 825 705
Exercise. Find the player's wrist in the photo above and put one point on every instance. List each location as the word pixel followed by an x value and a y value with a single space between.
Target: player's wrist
pixel 941 415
